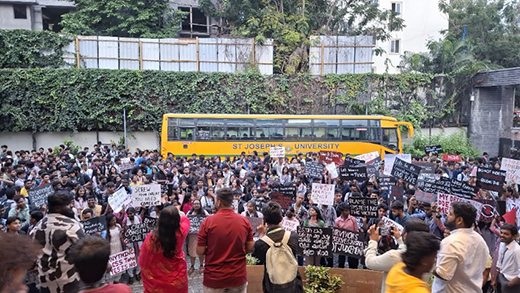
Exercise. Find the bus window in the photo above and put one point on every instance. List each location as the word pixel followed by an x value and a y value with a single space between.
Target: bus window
pixel 326 129
pixel 186 133
pixel 269 129
pixel 390 138
pixel 296 129
pixel 172 132
pixel 240 129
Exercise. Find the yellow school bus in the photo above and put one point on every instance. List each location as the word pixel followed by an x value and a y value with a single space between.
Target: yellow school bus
pixel 230 135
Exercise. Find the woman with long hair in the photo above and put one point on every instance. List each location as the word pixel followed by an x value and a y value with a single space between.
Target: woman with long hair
pixel 315 220
pixel 162 260
pixel 115 238
pixel 80 199
pixel 196 211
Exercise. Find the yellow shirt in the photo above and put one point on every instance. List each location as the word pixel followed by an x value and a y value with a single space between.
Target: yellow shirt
pixel 398 281
pixel 24 192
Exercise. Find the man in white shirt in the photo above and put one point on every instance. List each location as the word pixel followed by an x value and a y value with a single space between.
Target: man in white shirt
pixel 463 255
pixel 508 264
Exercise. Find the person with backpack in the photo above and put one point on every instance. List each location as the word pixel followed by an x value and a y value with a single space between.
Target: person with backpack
pixel 276 250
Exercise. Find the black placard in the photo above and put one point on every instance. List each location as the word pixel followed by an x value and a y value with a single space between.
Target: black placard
pixel 443 185
pixel 396 193
pixel 353 173
pixel 38 195
pixel 313 241
pixel 138 232
pixel 352 162
pixel 463 189
pixel 406 171
pixel 283 199
pixel 363 206
pixel 287 190
pixel 386 183
pixel 314 169
pixel 434 149
pixel 195 222
pixel 348 243
pixel 93 225
pixel 490 179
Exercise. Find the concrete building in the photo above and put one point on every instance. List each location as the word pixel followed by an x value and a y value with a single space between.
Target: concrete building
pixel 423 21
pixel 33 14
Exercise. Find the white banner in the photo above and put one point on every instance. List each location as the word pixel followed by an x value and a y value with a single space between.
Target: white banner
pixel 390 159
pixel 118 199
pixel 277 152
pixel 149 195
pixel 512 168
pixel 368 156
pixel 387 222
pixel 322 193
pixel 122 261
pixel 332 170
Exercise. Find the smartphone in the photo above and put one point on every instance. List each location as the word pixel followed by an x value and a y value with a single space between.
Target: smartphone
pixel 384 231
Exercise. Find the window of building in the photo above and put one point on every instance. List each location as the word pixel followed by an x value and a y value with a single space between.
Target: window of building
pixel 20 11
pixel 395 46
pixel 195 22
pixel 396 8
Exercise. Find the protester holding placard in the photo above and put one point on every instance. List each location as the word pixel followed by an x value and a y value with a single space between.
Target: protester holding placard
pixel 315 220
pixel 133 219
pixel 115 238
pixel 162 258
pixel 347 222
pixel 196 211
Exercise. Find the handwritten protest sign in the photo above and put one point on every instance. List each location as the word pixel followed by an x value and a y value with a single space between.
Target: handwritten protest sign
pixel 38 195
pixel 348 243
pixel 287 190
pixel 363 206
pixel 406 171
pixel 93 225
pixel 333 171
pixel 490 179
pixel 148 195
pixel 283 199
pixel 387 222
pixel 463 189
pixel 368 157
pixel 327 157
pixel 277 152
pixel 138 232
pixel 349 161
pixel 512 168
pixel 353 173
pixel 433 149
pixel 396 193
pixel 255 222
pixel 122 261
pixel 195 222
pixel 313 241
pixel 444 201
pixel 425 196
pixel 322 193
pixel 443 185
pixel 118 199
pixel 390 159
pixel 314 169
pixel 289 225
pixel 126 164
pixel 451 158
pixel 386 183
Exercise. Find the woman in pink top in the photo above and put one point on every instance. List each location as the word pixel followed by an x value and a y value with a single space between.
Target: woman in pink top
pixel 347 222
pixel 162 260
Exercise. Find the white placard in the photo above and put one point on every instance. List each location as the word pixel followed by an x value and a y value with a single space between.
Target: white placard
pixel 512 168
pixel 332 170
pixel 289 225
pixel 322 193
pixel 390 159
pixel 118 199
pixel 368 156
pixel 122 261
pixel 125 164
pixel 387 222
pixel 277 152
pixel 149 195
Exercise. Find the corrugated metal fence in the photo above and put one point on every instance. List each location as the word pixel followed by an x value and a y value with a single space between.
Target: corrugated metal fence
pixel 204 54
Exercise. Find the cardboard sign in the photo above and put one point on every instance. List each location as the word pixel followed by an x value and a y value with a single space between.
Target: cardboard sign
pixel 363 206
pixel 118 199
pixel 512 168
pixel 138 232
pixel 451 158
pixel 313 241
pixel 126 164
pixel 277 152
pixel 386 183
pixel 353 173
pixel 425 196
pixel 390 159
pixel 443 185
pixel 433 149
pixel 387 222
pixel 93 225
pixel 195 222
pixel 122 261
pixel 352 162
pixel 147 195
pixel 490 179
pixel 368 157
pixel 322 193
pixel 287 190
pixel 463 189
pixel 289 225
pixel 444 201
pixel 38 195
pixel 348 243
pixel 283 199
pixel 314 170
pixel 406 171
pixel 333 171
pixel 396 193
pixel 255 222
pixel 327 157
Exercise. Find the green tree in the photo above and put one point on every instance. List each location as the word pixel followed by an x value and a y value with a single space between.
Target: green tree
pixel 123 18
pixel 290 23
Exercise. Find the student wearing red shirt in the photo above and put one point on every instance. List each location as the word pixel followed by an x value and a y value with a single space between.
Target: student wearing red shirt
pixel 225 238
pixel 90 257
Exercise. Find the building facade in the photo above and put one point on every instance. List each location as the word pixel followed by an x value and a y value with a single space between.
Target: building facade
pixel 33 14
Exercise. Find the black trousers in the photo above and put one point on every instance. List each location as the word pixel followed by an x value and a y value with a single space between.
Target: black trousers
pixel 353 262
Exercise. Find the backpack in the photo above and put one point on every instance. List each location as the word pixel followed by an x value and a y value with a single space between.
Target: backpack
pixel 280 262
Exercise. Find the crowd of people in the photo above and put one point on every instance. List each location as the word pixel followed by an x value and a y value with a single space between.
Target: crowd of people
pixel 441 252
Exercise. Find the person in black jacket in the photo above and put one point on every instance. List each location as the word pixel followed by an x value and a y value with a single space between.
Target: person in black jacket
pixel 273 217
